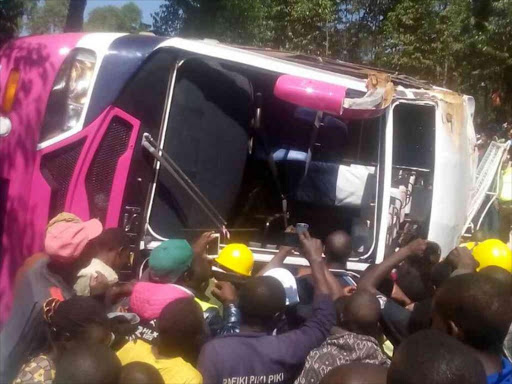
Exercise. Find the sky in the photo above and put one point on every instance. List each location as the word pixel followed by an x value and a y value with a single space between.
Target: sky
pixel 147 6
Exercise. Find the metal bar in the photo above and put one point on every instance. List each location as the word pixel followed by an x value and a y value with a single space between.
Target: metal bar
pixel 485 212
pixel 487 170
pixel 163 128
pixel 184 182
pixel 185 178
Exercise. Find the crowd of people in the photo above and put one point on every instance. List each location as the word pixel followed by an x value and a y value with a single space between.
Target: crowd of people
pixel 188 319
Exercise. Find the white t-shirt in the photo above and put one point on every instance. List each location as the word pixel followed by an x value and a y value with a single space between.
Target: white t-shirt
pixel 82 287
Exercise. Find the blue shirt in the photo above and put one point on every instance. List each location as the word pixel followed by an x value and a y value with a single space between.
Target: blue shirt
pixel 503 377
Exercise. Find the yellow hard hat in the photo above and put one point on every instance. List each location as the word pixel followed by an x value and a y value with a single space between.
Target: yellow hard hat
pixel 237 258
pixel 493 252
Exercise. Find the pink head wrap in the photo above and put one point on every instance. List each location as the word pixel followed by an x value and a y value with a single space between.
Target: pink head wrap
pixel 148 299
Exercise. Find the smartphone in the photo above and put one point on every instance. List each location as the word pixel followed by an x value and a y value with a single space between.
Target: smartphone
pixel 301 227
pixel 290 239
pixel 349 280
pixel 213 246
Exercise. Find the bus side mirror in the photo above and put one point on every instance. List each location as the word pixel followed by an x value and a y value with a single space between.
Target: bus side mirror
pixel 308 93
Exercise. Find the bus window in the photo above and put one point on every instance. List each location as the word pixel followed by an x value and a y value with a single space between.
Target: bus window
pixel 414 136
pixel 206 136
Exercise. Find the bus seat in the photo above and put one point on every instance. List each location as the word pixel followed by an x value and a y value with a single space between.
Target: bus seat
pixel 284 154
pixel 335 185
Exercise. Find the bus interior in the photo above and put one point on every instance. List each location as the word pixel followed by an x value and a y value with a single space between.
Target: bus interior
pixel 265 163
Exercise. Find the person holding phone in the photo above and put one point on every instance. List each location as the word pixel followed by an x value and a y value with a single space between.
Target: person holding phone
pixel 255 351
pixel 338 249
pixel 176 262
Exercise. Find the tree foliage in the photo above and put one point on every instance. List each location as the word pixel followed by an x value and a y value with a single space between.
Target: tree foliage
pixel 46 17
pixel 115 19
pixel 281 24
pixel 465 45
pixel 11 12
pixel 452 44
pixel 357 32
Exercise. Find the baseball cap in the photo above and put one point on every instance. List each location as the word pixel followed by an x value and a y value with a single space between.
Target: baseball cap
pixel 65 241
pixel 288 282
pixel 171 259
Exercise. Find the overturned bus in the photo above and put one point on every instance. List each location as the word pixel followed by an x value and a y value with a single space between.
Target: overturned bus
pixel 167 137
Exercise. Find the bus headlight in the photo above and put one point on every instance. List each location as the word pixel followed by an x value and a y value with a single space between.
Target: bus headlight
pixel 79 83
pixel 69 94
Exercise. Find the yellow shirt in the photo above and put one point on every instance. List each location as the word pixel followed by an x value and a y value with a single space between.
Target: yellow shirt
pixel 173 371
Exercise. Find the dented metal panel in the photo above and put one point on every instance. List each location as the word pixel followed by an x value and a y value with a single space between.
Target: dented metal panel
pixel 456 160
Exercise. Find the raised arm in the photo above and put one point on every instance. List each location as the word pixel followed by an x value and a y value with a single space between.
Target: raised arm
pixel 371 280
pixel 278 260
pixel 199 246
pixel 335 288
pixel 295 345
pixel 312 250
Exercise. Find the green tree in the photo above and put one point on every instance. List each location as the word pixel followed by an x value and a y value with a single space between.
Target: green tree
pixel 356 35
pixel 132 15
pixel 245 22
pixel 282 24
pixel 48 17
pixel 114 19
pixel 303 25
pixel 464 45
pixel 189 18
pixel 168 20
pixel 11 12
pixel 103 19
pixel 411 38
pixel 489 65
pixel 456 44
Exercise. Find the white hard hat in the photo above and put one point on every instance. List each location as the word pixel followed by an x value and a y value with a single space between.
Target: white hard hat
pixel 288 282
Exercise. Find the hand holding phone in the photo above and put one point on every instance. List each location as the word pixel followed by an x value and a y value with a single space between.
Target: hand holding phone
pixel 301 228
pixel 213 246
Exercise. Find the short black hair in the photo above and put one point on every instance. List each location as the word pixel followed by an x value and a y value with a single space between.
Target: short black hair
pixel 86 364
pixel 414 278
pixel 479 305
pixel 138 372
pixel 71 318
pixel 432 357
pixel 432 252
pixel 181 329
pixel 338 247
pixel 111 239
pixel 361 313
pixel 260 299
pixel 198 275
pixel 440 273
pixel 498 273
pixel 356 373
